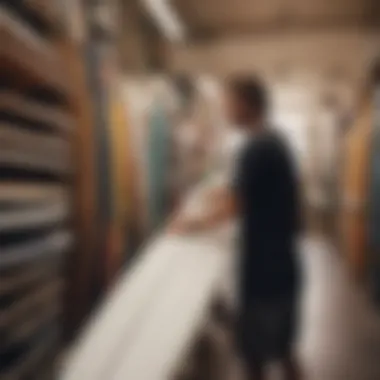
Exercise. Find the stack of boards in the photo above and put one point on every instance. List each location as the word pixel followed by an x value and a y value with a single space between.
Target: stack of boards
pixel 35 175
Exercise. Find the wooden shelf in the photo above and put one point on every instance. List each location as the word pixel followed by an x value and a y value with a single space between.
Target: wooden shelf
pixel 33 217
pixel 45 10
pixel 37 229
pixel 16 281
pixel 21 310
pixel 16 138
pixel 36 112
pixel 19 193
pixel 55 244
pixel 20 160
pixel 32 150
pixel 23 161
pixel 45 347
pixel 23 331
pixel 26 58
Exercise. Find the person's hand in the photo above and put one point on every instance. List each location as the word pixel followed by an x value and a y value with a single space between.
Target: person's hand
pixel 181 226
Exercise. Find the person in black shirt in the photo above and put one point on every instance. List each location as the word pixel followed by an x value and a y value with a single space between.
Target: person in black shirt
pixel 264 197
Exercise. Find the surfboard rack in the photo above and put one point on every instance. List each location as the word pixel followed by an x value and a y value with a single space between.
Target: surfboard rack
pixel 37 131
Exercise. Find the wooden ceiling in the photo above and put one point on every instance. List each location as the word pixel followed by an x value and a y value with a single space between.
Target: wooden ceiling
pixel 220 18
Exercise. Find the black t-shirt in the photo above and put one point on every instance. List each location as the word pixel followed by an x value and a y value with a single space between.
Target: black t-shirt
pixel 267 195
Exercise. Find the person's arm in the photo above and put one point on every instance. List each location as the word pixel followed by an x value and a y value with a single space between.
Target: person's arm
pixel 221 203
pixel 221 206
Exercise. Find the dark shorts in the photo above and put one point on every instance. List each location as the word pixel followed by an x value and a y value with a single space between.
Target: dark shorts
pixel 266 330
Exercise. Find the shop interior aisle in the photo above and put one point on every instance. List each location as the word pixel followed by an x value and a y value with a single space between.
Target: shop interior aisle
pixel 339 334
pixel 340 329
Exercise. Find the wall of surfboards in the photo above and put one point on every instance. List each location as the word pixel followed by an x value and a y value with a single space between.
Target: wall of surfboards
pixel 126 157
pixel 138 160
pixel 131 155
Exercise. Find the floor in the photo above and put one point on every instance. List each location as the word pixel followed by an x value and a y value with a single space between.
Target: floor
pixel 340 334
pixel 340 330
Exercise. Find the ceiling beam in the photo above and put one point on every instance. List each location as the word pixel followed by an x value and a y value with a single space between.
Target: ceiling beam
pixel 285 25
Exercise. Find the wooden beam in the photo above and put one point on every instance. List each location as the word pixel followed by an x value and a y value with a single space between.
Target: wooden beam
pixel 81 260
pixel 211 34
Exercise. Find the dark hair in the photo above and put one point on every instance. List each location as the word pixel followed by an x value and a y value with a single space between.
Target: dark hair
pixel 252 92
